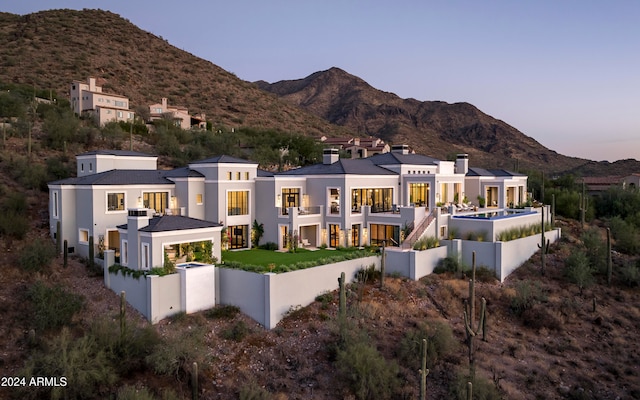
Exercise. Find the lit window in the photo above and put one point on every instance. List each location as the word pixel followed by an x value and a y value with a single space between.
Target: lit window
pixel 246 176
pixel 115 201
pixel 84 236
pixel 199 198
pixel 237 176
pixel 229 175
pixel 238 203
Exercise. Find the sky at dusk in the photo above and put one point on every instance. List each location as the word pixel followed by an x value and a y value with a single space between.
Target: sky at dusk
pixel 566 73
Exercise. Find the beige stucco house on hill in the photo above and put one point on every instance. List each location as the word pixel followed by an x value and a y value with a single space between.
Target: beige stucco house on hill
pixel 88 98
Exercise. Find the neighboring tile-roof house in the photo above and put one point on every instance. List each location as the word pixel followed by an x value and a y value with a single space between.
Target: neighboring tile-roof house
pixel 120 177
pixel 168 223
pixel 358 166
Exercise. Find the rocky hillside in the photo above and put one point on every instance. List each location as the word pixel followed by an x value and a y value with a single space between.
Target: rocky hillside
pixel 49 49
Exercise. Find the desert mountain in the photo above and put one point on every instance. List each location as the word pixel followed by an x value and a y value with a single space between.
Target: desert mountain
pixel 50 49
pixel 431 127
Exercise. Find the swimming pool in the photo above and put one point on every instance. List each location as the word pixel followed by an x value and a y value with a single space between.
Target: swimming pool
pixel 493 215
pixel 190 265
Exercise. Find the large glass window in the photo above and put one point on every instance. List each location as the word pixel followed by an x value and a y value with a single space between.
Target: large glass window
pixel 155 201
pixel 115 201
pixel 390 234
pixel 419 194
pixel 290 198
pixel 355 235
pixel 238 203
pixel 334 235
pixel 380 200
pixel 238 236
pixel 334 201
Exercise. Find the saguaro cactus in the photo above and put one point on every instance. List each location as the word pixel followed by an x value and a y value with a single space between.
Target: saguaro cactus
pixel 342 310
pixel 584 204
pixel 65 254
pixel 543 246
pixel 58 238
pixel 194 381
pixel 424 371
pixel 553 209
pixel 91 252
pixel 123 312
pixel 469 316
pixel 609 265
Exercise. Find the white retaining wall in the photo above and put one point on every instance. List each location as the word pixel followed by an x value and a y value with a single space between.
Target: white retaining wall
pixel 197 287
pixel 268 297
pixel 414 264
pixel 157 297
pixel 508 255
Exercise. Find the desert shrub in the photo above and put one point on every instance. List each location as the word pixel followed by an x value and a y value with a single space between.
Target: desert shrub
pixel 577 269
pixel 80 360
pixel 37 255
pixel 440 344
pixel 222 312
pixel 527 295
pixel 14 226
pixel 253 391
pixel 324 299
pixel 368 275
pixel 631 274
pixel 236 332
pixel 449 264
pixel 175 357
pixel 625 235
pixel 52 307
pixel 132 393
pixel 369 375
pixel 425 243
pixel 484 274
pixel 127 351
pixel 14 202
pixel 483 389
pixel 538 316
pixel 596 249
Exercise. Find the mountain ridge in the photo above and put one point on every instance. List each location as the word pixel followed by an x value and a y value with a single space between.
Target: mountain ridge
pixel 145 68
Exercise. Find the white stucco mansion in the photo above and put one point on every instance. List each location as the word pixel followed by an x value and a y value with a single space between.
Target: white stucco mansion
pixel 126 204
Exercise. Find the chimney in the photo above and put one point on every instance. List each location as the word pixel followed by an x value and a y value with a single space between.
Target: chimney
pixel 92 84
pixel 138 218
pixel 164 104
pixel 462 164
pixel 400 148
pixel 329 156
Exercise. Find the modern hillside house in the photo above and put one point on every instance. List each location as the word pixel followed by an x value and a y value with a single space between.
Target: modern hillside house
pixel 178 115
pixel 120 198
pixel 88 98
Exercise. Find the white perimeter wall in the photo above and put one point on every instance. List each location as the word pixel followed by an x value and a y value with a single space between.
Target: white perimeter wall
pixel 268 297
pixel 414 264
pixel 197 288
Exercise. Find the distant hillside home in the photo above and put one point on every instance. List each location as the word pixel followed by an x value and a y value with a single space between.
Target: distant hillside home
pixel 598 184
pixel 179 115
pixel 358 147
pixel 88 98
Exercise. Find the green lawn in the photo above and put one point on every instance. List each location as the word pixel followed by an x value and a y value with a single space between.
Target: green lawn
pixel 258 260
pixel 266 257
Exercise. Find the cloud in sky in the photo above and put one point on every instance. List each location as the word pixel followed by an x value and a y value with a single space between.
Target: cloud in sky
pixel 564 73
